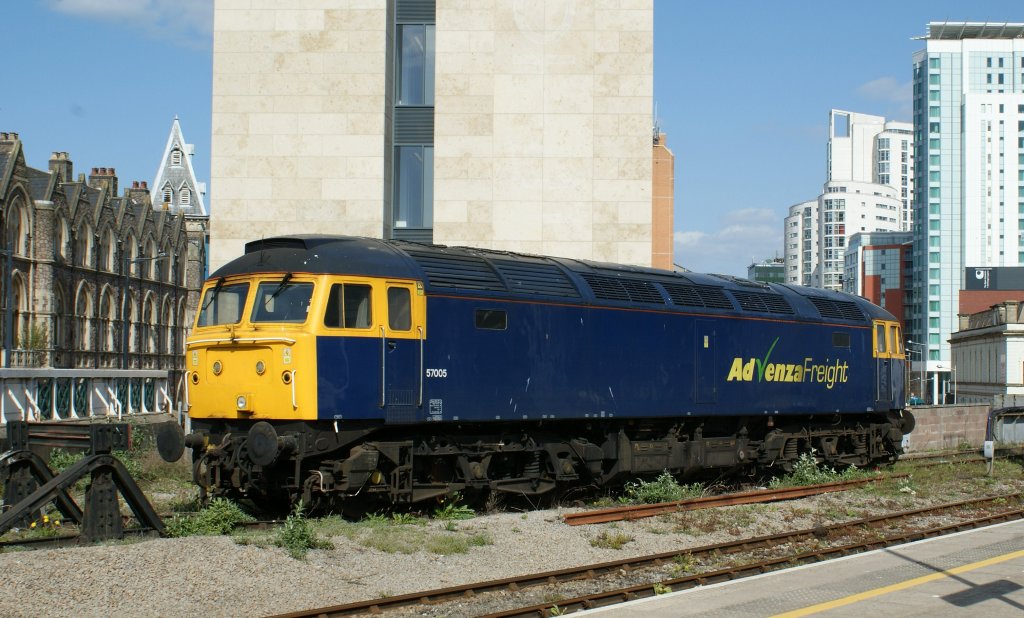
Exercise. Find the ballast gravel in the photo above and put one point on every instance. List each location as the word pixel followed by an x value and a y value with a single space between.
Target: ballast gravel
pixel 216 576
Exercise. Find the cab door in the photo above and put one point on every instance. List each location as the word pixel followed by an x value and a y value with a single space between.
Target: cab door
pixel 403 335
pixel 897 365
pixel 883 366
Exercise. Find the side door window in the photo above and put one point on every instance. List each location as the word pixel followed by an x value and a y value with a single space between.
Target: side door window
pixel 881 349
pixel 349 305
pixel 399 309
pixel 895 343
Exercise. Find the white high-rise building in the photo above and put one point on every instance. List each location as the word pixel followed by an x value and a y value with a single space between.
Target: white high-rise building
pixel 801 238
pixel 868 184
pixel 969 190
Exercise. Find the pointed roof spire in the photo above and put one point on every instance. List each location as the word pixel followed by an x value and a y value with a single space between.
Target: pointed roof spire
pixel 175 187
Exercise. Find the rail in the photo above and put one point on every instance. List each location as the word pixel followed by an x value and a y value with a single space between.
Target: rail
pixel 512 585
pixel 78 394
pixel 638 511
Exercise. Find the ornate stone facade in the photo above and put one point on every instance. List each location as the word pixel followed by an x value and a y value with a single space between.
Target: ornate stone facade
pixel 91 279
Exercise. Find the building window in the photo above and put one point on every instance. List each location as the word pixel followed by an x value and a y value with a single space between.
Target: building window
pixel 168 195
pixel 186 197
pixel 415 56
pixel 176 157
pixel 414 186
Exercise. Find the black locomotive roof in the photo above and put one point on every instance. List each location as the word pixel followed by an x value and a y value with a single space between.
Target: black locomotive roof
pixel 474 271
pixel 352 255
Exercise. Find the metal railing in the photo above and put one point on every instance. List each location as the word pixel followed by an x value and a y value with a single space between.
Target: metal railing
pixel 73 394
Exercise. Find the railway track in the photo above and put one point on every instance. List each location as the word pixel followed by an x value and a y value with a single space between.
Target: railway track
pixel 590 572
pixel 622 513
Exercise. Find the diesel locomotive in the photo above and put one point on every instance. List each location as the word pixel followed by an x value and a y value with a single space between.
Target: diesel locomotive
pixel 359 372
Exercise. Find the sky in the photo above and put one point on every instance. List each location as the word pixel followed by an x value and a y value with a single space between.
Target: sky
pixel 742 90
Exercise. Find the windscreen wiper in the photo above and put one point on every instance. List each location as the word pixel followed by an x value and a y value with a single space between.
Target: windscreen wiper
pixel 213 293
pixel 278 289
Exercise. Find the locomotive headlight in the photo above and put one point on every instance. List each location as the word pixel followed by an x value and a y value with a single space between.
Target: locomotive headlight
pixel 217 368
pixel 260 367
pixel 242 402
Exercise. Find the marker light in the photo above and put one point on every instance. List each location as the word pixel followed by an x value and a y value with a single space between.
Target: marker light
pixel 217 368
pixel 260 367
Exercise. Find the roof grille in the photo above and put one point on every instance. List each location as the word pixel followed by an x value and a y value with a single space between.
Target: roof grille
pixel 457 272
pixel 628 290
pixel 536 278
pixel 765 303
pixel 837 309
pixel 697 296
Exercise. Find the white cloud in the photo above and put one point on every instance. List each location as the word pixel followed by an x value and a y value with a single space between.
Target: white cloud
pixel 887 89
pixel 892 92
pixel 187 22
pixel 747 235
pixel 101 8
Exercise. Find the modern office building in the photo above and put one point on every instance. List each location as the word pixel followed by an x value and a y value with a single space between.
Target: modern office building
pixel 878 267
pixel 868 188
pixel 522 126
pixel 969 188
pixel 772 270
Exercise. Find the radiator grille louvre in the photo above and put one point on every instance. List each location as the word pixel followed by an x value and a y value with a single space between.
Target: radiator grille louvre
pixel 764 303
pixel 628 290
pixel 458 272
pixel 697 296
pixel 837 309
pixel 536 278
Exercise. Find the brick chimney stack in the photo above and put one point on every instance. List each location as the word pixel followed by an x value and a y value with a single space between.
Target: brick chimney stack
pixel 104 177
pixel 61 166
pixel 139 193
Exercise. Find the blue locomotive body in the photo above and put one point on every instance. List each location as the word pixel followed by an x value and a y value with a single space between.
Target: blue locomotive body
pixel 455 368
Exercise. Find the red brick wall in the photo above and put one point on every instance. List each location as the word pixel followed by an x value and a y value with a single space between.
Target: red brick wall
pixel 973 301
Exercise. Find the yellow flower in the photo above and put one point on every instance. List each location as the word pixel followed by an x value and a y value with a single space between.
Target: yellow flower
pixel 56 522
pixel 32 525
pixel 46 519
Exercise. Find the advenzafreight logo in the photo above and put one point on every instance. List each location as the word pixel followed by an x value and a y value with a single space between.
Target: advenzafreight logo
pixel 750 369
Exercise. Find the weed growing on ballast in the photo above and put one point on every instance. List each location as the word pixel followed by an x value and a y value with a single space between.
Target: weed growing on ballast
pixel 611 540
pixel 665 488
pixel 298 537
pixel 806 471
pixel 220 517
pixel 452 510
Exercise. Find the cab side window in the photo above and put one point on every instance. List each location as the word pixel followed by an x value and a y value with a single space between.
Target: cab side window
pixel 399 309
pixel 895 344
pixel 880 341
pixel 349 306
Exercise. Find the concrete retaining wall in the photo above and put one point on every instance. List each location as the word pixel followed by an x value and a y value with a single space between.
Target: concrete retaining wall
pixel 947 427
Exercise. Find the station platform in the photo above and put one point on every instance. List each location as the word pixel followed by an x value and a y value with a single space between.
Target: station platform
pixel 977 573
